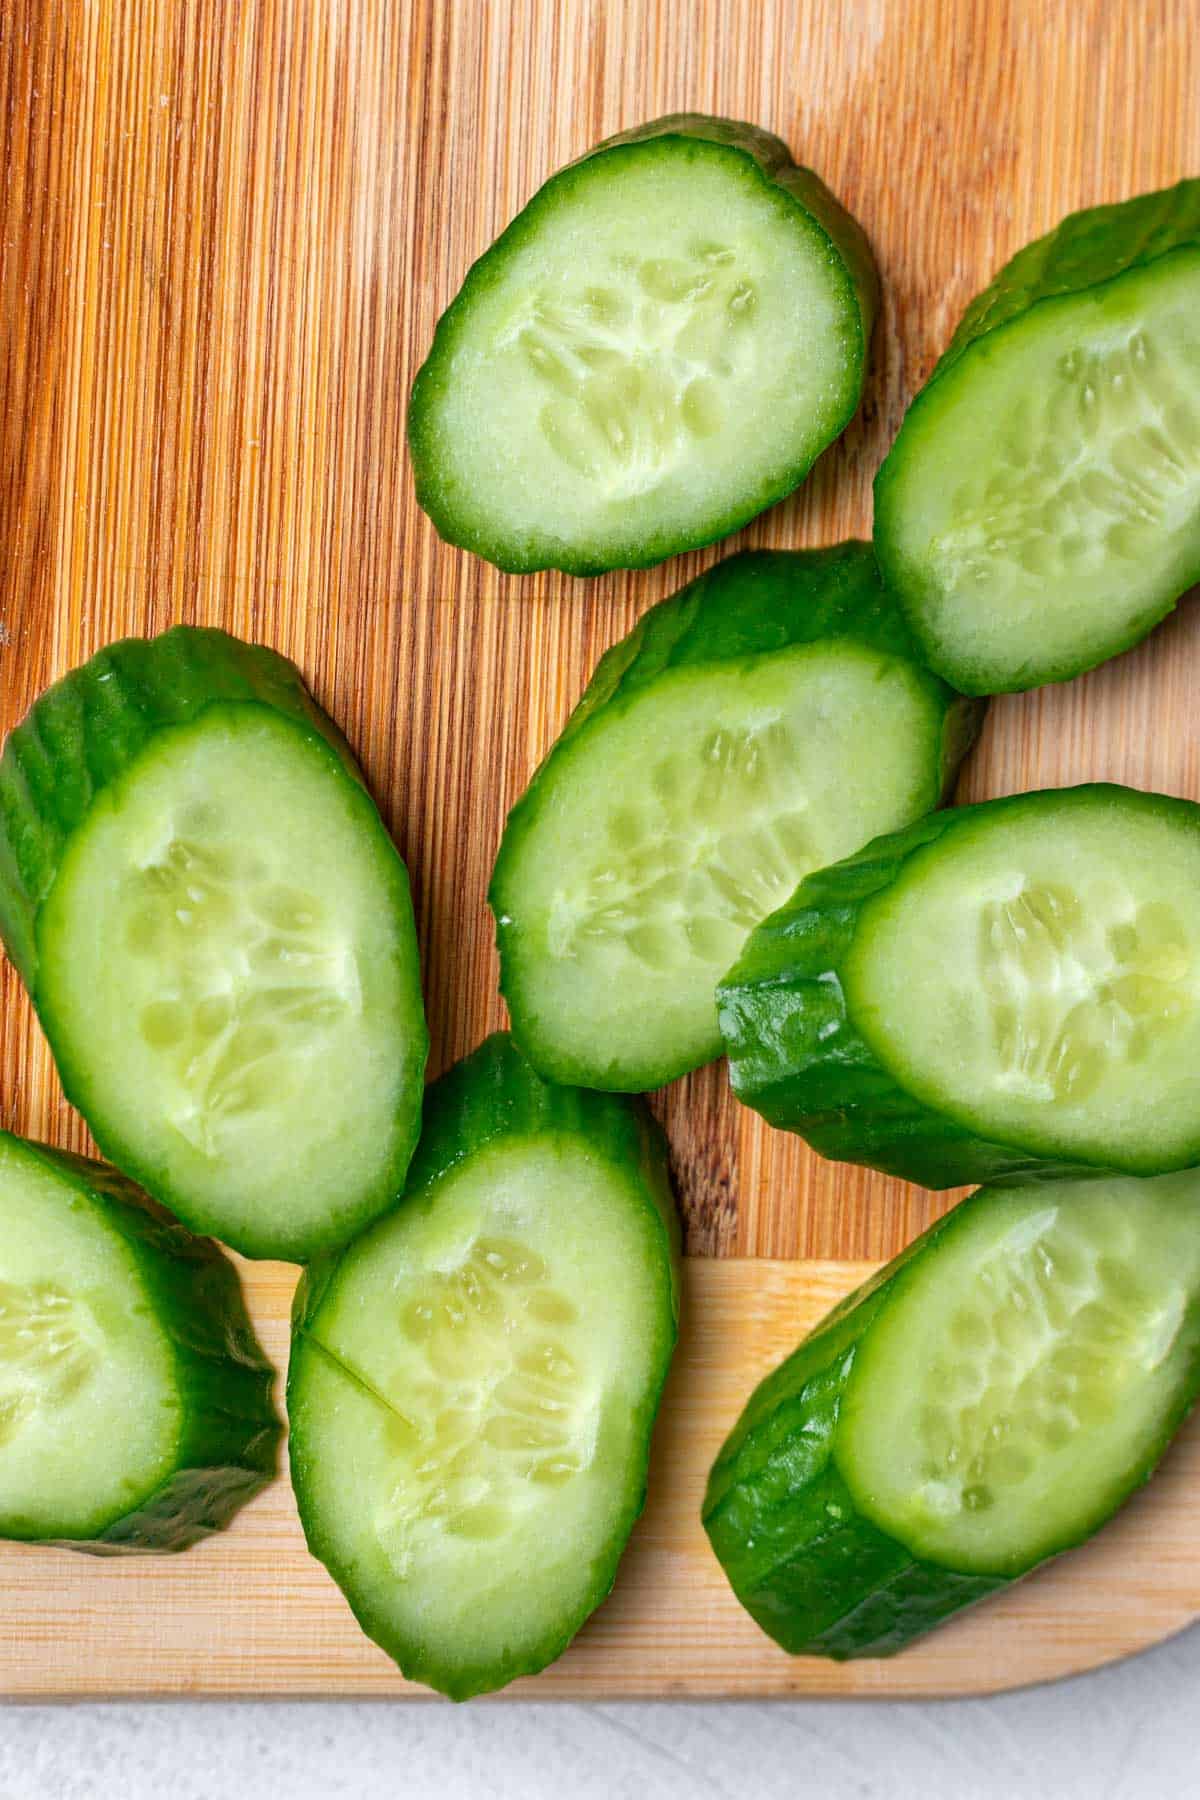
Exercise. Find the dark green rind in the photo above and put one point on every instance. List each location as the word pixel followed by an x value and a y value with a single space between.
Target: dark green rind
pixel 85 733
pixel 749 605
pixel 810 1569
pixel 490 1095
pixel 87 730
pixel 848 249
pixel 816 1575
pixel 797 1057
pixel 1086 251
pixel 229 1442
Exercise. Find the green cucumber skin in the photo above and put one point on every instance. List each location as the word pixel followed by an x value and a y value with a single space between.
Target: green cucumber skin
pixel 748 605
pixel 84 733
pixel 796 1056
pixel 1087 250
pixel 229 1446
pixel 86 730
pixel 848 248
pixel 816 1575
pixel 811 1570
pixel 492 1094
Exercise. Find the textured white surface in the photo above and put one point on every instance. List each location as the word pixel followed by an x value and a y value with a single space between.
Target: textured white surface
pixel 1121 1734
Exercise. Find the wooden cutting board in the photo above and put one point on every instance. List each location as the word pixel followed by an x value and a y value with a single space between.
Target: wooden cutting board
pixel 250 1613
pixel 227 229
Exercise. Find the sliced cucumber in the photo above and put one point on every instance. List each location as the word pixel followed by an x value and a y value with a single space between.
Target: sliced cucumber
pixel 1040 509
pixel 768 719
pixel 1003 988
pixel 135 1404
pixel 473 1382
pixel 656 349
pixel 988 1400
pixel 218 936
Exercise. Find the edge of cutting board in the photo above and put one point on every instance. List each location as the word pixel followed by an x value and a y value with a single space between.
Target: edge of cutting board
pixel 250 1614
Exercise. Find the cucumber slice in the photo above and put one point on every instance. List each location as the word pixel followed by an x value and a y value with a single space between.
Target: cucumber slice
pixel 218 936
pixel 1040 508
pixel 135 1404
pixel 1002 989
pixel 656 349
pixel 769 718
pixel 988 1400
pixel 473 1382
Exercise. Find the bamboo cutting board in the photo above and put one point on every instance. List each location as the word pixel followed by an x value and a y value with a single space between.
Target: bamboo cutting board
pixel 227 229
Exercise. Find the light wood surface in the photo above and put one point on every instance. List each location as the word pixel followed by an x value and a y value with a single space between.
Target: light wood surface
pixel 226 231
pixel 251 1613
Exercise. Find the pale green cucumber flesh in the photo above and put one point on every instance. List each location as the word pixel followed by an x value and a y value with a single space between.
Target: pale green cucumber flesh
pixel 470 1405
pixel 985 1401
pixel 678 819
pixel 1025 1370
pixel 1034 975
pixel 657 348
pixel 90 1414
pixel 136 1414
pixel 228 981
pixel 1040 510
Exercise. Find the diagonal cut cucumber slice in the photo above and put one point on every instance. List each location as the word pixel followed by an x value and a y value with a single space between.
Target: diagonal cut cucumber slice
pixel 766 720
pixel 1055 943
pixel 1021 1380
pixel 473 1382
pixel 1006 988
pixel 656 349
pixel 218 935
pixel 1040 508
pixel 135 1405
pixel 987 1400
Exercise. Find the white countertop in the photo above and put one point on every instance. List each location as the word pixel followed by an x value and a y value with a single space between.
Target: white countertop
pixel 1122 1734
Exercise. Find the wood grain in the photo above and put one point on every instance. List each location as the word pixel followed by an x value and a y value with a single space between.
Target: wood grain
pixel 251 1613
pixel 226 231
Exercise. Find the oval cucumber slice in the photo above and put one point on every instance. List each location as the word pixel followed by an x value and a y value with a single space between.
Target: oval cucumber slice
pixel 986 1401
pixel 135 1404
pixel 218 936
pixel 1005 988
pixel 657 348
pixel 1023 1377
pixel 1040 508
pixel 767 719
pixel 473 1382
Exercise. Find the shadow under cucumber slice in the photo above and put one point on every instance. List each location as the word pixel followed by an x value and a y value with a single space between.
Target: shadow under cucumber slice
pixel 473 1382
pixel 1040 509
pixel 218 936
pixel 988 1400
pixel 766 720
pixel 657 348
